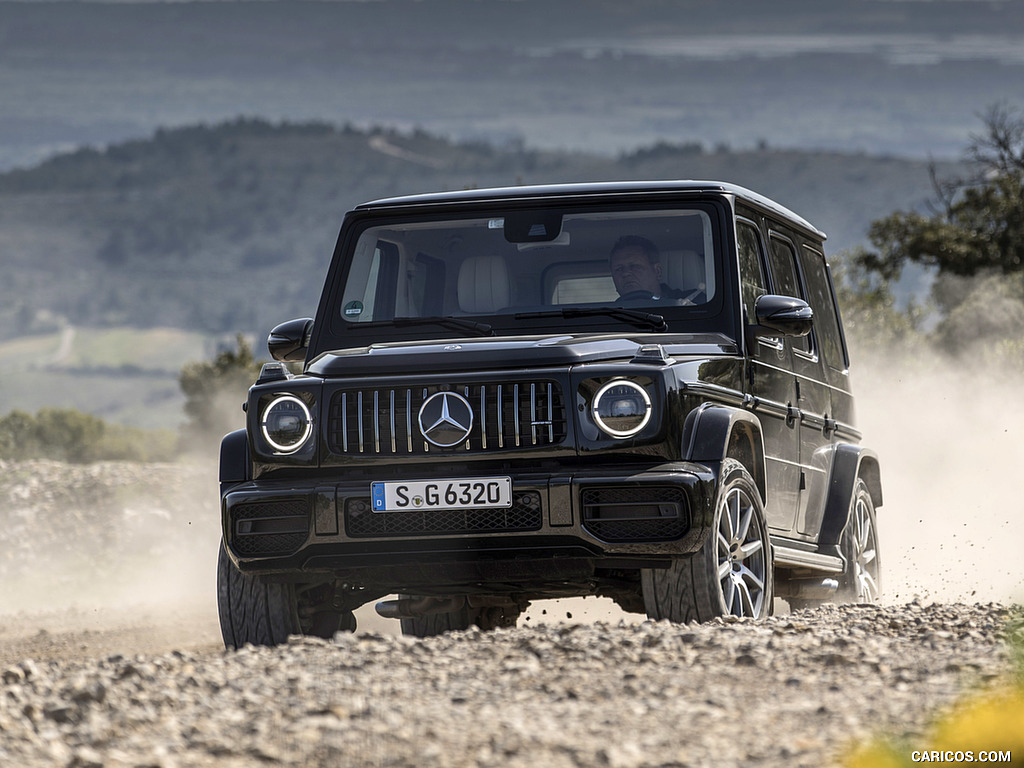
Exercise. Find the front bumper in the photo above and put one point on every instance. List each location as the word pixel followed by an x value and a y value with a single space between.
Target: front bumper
pixel 293 528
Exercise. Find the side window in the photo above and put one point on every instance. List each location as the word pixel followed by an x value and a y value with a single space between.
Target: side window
pixel 372 280
pixel 752 282
pixel 785 279
pixel 826 316
pixel 369 297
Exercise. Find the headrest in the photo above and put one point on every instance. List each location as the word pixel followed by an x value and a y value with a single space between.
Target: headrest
pixel 683 270
pixel 483 285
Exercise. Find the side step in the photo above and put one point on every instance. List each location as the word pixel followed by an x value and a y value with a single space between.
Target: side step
pixel 796 558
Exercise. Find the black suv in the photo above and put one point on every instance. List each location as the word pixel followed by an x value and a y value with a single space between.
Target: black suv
pixel 634 390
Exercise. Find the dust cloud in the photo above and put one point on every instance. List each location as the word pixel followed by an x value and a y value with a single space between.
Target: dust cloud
pixel 950 438
pixel 87 549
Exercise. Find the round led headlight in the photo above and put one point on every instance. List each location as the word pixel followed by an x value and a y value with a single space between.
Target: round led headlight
pixel 286 423
pixel 621 408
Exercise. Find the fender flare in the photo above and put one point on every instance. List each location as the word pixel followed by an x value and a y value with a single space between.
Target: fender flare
pixel 712 433
pixel 849 462
pixel 234 458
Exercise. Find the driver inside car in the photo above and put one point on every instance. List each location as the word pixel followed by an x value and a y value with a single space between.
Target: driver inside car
pixel 635 265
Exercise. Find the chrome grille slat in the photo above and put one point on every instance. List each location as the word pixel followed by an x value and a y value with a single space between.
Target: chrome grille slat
pixel 533 412
pixel 508 414
pixel 360 399
pixel 376 423
pixel 515 398
pixel 393 449
pixel 344 422
pixel 551 416
pixel 408 417
pixel 501 419
pixel 483 416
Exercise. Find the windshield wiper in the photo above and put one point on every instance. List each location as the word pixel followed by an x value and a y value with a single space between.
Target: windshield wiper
pixel 636 317
pixel 456 323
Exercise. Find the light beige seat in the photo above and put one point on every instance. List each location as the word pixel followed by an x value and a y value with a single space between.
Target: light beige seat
pixel 685 271
pixel 484 285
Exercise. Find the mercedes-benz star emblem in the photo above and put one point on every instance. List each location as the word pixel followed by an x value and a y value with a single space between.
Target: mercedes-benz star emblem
pixel 446 419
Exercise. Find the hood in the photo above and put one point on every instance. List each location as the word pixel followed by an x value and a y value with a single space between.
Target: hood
pixel 509 352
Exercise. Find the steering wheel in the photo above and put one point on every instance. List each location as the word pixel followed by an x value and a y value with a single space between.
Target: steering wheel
pixel 635 296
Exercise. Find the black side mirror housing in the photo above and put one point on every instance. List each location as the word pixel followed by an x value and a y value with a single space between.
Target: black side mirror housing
pixel 782 316
pixel 289 341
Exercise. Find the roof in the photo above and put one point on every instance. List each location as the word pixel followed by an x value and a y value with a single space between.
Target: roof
pixel 611 188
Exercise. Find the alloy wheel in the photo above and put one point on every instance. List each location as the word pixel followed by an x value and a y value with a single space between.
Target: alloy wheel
pixel 742 556
pixel 865 553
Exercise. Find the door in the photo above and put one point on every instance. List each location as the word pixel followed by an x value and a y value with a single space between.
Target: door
pixel 771 381
pixel 829 348
pixel 813 397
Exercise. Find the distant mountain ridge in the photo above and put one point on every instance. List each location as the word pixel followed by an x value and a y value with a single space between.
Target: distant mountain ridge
pixel 230 227
pixel 596 75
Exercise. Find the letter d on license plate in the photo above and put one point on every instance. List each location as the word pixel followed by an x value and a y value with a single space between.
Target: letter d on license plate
pixel 458 493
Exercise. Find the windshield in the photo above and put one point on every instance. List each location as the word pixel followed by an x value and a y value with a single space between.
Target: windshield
pixel 528 264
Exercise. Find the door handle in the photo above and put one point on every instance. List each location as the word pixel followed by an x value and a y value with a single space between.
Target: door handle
pixel 792 414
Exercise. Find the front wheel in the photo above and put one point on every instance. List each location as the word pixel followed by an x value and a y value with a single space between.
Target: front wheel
pixel 259 613
pixel 732 572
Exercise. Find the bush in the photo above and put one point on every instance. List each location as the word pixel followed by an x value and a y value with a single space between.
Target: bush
pixel 64 434
pixel 215 391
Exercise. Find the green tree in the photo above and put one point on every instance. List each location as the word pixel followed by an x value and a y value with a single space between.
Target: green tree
pixel 64 434
pixel 215 391
pixel 18 436
pixel 976 224
pixel 870 311
pixel 972 239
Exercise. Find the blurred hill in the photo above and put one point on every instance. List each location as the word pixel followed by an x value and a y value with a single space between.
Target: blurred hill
pixel 879 76
pixel 230 227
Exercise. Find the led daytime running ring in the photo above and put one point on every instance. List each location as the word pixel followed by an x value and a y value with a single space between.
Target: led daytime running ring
pixel 596 412
pixel 305 435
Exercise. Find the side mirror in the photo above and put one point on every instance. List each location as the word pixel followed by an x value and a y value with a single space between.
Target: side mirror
pixel 289 341
pixel 782 316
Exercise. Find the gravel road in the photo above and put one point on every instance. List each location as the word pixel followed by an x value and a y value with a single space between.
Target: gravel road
pixel 110 657
pixel 794 691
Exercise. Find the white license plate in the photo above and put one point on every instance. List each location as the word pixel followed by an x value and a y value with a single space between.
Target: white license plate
pixel 459 493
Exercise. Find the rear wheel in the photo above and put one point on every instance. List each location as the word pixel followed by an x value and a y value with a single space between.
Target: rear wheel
pixel 252 611
pixel 486 618
pixel 861 581
pixel 732 572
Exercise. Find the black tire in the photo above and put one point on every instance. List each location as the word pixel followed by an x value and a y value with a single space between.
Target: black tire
pixel 861 581
pixel 732 572
pixel 252 611
pixel 434 624
pixel 437 623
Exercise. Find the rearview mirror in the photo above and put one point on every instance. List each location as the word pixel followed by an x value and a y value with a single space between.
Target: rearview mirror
pixel 289 341
pixel 782 316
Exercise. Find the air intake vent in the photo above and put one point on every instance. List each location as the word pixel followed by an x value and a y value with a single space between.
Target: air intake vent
pixel 385 421
pixel 277 527
pixel 631 513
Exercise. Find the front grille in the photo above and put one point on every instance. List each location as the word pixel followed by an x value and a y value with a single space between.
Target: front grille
pixel 632 513
pixel 275 527
pixel 525 514
pixel 385 420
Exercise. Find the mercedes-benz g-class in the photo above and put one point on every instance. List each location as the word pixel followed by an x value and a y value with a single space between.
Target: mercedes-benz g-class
pixel 631 390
